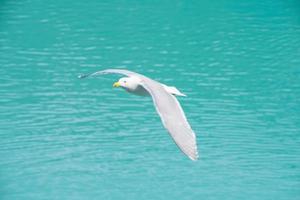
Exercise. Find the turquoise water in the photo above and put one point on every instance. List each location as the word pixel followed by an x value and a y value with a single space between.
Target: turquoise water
pixel 65 138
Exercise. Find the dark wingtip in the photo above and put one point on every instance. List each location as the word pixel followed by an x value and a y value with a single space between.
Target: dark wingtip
pixel 83 76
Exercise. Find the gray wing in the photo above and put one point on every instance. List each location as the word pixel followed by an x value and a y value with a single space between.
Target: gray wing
pixel 110 71
pixel 169 110
pixel 173 118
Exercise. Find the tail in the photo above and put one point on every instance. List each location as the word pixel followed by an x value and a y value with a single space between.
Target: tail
pixel 173 90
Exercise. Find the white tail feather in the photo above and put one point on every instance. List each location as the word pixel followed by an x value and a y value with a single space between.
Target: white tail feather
pixel 173 90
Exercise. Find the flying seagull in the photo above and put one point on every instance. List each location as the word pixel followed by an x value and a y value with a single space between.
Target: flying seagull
pixel 165 102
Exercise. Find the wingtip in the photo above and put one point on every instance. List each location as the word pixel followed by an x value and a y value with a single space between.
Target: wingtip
pixel 81 76
pixel 194 158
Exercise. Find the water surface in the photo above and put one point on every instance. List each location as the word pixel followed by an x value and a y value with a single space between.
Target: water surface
pixel 65 138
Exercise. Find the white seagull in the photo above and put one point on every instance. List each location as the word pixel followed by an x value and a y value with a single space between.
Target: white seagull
pixel 167 106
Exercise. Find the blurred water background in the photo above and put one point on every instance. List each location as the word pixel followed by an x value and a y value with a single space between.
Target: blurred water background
pixel 65 138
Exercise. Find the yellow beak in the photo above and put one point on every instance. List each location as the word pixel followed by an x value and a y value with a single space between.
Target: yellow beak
pixel 116 84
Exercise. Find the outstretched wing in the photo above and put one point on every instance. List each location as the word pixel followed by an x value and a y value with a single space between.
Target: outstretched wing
pixel 173 118
pixel 169 110
pixel 110 71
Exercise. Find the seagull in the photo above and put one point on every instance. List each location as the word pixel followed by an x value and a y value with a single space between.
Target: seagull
pixel 166 105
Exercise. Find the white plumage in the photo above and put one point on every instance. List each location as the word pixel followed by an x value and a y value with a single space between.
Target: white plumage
pixel 166 104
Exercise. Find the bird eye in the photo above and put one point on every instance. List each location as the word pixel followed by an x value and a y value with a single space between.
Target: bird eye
pixel 124 81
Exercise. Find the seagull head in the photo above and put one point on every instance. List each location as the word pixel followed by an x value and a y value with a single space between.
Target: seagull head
pixel 127 83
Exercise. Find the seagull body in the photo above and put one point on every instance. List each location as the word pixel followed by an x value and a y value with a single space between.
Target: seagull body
pixel 134 85
pixel 165 102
